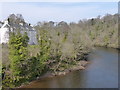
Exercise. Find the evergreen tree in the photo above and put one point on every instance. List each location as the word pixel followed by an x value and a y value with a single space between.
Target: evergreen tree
pixel 18 55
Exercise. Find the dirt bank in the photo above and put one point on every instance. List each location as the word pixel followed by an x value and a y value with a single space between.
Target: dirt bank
pixel 80 66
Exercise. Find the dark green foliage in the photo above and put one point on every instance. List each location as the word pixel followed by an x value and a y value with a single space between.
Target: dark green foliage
pixel 18 56
pixel 32 68
pixel 18 53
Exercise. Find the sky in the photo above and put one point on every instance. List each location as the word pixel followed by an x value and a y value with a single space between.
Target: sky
pixel 57 11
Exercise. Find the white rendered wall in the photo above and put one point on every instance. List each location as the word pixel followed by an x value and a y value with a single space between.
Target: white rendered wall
pixel 4 36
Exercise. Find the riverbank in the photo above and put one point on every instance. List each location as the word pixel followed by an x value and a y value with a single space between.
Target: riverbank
pixel 55 67
pixel 79 66
pixel 107 46
pixel 96 72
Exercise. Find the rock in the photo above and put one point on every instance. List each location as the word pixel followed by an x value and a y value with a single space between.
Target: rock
pixel 81 67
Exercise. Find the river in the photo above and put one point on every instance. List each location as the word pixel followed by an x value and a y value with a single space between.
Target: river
pixel 101 72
